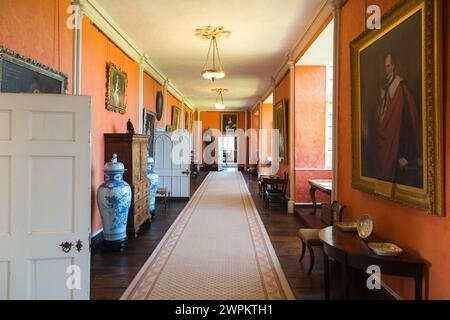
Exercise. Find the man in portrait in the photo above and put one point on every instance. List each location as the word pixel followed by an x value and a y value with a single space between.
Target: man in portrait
pixel 398 131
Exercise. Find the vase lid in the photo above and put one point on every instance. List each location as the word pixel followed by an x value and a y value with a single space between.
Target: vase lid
pixel 114 165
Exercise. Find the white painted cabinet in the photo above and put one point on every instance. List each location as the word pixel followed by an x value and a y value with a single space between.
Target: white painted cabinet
pixel 172 162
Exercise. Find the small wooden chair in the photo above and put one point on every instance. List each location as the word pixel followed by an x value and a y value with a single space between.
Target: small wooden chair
pixel 277 195
pixel 165 192
pixel 310 237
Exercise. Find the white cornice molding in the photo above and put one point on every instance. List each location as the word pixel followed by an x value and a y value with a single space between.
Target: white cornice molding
pixel 206 109
pixel 317 21
pixel 98 15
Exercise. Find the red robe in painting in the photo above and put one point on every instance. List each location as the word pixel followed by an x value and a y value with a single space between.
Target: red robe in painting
pixel 398 134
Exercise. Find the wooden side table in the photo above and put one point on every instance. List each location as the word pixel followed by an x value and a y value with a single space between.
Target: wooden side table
pixel 351 251
pixel 323 185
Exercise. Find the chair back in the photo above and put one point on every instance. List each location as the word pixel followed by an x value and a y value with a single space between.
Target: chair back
pixel 285 182
pixel 332 213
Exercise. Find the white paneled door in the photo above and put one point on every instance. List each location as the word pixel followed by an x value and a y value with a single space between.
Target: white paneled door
pixel 45 196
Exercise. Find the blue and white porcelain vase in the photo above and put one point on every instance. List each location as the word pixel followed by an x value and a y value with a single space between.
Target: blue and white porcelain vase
pixel 114 200
pixel 153 177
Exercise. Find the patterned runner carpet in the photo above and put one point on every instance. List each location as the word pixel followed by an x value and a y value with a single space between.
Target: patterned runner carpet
pixel 217 249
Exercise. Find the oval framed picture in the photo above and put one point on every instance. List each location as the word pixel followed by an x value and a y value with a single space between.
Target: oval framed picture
pixel 159 105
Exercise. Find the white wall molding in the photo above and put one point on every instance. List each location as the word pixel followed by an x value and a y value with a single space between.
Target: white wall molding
pixel 335 6
pixel 317 21
pixel 99 16
pixel 206 109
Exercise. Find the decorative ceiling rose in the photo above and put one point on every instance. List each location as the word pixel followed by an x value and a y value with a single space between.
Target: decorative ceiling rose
pixel 219 100
pixel 214 71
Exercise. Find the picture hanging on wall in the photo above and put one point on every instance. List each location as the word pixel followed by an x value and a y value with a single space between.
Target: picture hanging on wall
pixel 397 107
pixel 20 74
pixel 176 118
pixel 280 123
pixel 116 89
pixel 229 122
pixel 149 130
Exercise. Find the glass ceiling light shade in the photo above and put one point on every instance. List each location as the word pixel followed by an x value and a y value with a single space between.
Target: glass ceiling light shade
pixel 212 69
pixel 220 105
pixel 215 71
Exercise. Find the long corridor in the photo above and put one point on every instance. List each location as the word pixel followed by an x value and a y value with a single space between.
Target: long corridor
pixel 217 248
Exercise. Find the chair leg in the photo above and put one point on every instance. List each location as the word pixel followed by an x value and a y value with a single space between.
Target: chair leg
pixel 311 264
pixel 303 251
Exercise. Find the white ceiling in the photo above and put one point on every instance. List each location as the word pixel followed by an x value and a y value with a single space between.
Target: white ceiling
pixel 262 33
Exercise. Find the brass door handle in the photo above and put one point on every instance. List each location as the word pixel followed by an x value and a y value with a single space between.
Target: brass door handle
pixel 66 246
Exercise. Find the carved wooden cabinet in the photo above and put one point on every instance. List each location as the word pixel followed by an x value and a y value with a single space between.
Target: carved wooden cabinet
pixel 132 152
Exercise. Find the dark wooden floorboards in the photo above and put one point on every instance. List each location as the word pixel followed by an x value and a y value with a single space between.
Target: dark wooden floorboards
pixel 112 272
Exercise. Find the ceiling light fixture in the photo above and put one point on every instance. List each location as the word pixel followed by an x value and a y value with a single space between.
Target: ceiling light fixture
pixel 220 105
pixel 212 71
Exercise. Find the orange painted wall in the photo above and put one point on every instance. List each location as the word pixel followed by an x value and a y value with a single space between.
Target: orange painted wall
pixel 151 87
pixel 255 126
pixel 97 51
pixel 310 106
pixel 310 123
pixel 38 30
pixel 267 124
pixel 427 235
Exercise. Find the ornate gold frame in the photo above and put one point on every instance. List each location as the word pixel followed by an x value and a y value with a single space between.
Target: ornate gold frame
pixel 430 198
pixel 110 67
pixel 175 126
pixel 281 105
pixel 222 114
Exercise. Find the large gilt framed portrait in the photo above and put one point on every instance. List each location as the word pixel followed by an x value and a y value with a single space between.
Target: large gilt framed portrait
pixel 116 89
pixel 229 122
pixel 20 74
pixel 397 107
pixel 176 118
pixel 280 123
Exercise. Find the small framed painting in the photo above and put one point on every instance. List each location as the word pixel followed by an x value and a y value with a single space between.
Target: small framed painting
pixel 229 122
pixel 149 130
pixel 116 89
pixel 176 117
pixel 280 123
pixel 186 121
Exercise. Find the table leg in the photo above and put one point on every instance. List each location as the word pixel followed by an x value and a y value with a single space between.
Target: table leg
pixel 345 284
pixel 312 192
pixel 418 284
pixel 326 272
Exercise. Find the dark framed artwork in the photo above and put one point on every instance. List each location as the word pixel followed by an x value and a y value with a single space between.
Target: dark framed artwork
pixel 116 89
pixel 397 107
pixel 186 121
pixel 149 130
pixel 229 122
pixel 19 74
pixel 176 118
pixel 280 123
pixel 159 105
pixel 191 121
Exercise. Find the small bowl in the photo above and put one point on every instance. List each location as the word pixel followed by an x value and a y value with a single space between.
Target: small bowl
pixel 385 249
pixel 365 226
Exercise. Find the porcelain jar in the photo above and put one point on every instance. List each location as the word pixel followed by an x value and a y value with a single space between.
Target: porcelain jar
pixel 114 200
pixel 153 177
